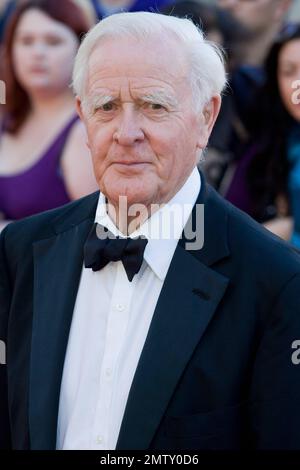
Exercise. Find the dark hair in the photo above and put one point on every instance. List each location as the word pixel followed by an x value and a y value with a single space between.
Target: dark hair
pixel 17 100
pixel 269 126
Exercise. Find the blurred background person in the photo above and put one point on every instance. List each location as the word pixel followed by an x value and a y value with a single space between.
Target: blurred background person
pixel 44 160
pixel 217 24
pixel 221 27
pixel 7 7
pixel 266 182
pixel 260 22
pixel 103 8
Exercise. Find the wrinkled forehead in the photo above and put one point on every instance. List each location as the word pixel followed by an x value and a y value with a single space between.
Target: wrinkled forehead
pixel 164 59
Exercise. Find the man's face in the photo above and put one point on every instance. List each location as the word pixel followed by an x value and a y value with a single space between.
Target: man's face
pixel 256 15
pixel 143 131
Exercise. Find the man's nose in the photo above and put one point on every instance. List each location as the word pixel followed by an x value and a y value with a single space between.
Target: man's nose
pixel 128 130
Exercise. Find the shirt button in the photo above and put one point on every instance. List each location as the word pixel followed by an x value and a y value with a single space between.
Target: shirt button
pixel 99 440
pixel 120 307
pixel 108 372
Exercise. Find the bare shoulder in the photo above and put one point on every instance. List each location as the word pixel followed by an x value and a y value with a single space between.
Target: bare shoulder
pixel 76 164
pixel 78 133
pixel 76 143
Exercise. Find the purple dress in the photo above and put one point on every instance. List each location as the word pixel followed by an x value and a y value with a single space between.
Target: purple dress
pixel 238 193
pixel 40 187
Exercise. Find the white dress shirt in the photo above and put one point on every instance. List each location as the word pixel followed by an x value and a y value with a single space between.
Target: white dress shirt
pixel 110 323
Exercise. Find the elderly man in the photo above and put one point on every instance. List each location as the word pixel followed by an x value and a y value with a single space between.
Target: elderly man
pixel 117 336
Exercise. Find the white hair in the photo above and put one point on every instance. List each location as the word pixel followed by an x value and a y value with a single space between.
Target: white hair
pixel 207 73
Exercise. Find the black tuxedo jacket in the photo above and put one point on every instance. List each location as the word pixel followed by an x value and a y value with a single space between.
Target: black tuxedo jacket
pixel 216 370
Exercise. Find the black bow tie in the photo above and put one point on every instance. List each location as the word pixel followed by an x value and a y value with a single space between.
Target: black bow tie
pixel 102 246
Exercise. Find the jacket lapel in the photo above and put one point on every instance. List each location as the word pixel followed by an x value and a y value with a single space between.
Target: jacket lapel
pixel 187 303
pixel 57 268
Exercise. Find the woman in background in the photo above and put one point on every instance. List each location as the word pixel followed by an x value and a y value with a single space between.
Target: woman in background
pixel 44 160
pixel 266 183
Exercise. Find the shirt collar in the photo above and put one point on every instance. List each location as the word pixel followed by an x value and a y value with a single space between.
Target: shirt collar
pixel 164 228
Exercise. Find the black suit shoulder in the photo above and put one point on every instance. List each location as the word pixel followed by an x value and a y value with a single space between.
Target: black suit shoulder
pixel 44 225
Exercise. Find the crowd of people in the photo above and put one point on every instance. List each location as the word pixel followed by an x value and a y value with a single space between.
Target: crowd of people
pixel 253 156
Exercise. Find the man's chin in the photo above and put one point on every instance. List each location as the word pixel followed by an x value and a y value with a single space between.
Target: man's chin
pixel 130 196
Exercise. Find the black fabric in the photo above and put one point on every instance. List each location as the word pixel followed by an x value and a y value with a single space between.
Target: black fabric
pixel 102 246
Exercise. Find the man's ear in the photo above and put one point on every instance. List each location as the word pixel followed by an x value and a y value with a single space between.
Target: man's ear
pixel 211 111
pixel 209 114
pixel 79 108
